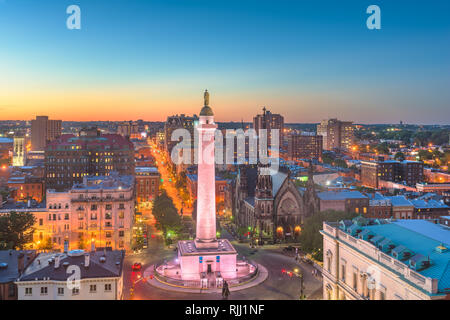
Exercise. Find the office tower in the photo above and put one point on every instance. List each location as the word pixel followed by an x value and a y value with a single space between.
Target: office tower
pixel 268 120
pixel 19 152
pixel 306 145
pixel 43 131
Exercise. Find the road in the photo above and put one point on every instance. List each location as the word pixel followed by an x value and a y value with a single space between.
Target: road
pixel 168 180
pixel 278 286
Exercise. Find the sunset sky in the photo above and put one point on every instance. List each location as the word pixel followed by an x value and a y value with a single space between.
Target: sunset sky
pixel 308 60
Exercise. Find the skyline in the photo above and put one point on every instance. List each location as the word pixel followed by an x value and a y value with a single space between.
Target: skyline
pixel 306 61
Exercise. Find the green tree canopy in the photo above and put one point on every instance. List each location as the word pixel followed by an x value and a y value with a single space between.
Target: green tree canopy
pixel 166 215
pixel 16 230
pixel 311 240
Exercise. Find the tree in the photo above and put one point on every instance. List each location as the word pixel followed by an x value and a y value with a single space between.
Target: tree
pixel 16 230
pixel 311 240
pixel 166 215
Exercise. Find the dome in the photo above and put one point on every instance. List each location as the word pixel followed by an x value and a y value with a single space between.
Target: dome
pixel 206 111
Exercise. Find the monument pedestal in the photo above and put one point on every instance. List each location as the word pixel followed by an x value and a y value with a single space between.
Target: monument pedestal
pixel 197 262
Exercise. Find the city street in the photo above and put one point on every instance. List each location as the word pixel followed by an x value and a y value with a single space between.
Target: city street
pixel 168 182
pixel 277 286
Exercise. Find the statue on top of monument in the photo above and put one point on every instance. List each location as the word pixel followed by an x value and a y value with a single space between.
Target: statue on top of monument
pixel 206 98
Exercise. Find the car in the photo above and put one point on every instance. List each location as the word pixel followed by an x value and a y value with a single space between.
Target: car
pixel 137 266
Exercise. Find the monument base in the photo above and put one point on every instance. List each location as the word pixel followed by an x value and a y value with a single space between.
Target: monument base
pixel 197 262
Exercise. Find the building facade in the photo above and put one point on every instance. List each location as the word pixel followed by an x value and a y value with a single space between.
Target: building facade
pixel 374 259
pixel 101 276
pixel 269 121
pixel 304 146
pixel 336 134
pixel 372 172
pixel 19 154
pixel 70 158
pixel 147 184
pixel 43 131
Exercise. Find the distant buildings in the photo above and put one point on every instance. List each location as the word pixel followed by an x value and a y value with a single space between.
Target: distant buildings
pixel 375 259
pixel 304 146
pixel 26 187
pixel 19 152
pixel 43 131
pixel 410 172
pixel 223 189
pixel 268 120
pixel 336 134
pixel 129 129
pixel 178 122
pixel 47 278
pixel 70 158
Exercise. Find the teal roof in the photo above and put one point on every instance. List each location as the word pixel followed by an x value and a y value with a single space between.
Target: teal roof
pixel 421 237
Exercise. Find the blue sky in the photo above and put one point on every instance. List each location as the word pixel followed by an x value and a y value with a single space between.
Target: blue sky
pixel 308 60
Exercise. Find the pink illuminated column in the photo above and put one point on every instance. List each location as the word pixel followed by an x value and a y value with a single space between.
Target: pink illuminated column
pixel 206 193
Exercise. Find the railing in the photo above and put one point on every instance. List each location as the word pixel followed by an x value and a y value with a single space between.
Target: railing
pixel 197 283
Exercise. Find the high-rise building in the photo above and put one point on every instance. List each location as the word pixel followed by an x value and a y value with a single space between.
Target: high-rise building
pixel 43 131
pixel 268 120
pixel 70 158
pixel 304 146
pixel 147 185
pixel 336 134
pixel 19 152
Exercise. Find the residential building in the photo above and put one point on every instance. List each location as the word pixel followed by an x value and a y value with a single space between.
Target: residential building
pixel 304 146
pixel 376 259
pixel 98 212
pixel 26 187
pixel 269 121
pixel 336 134
pixel 348 201
pixel 409 172
pixel 147 184
pixel 70 158
pixel 43 131
pixel 402 208
pixel 47 277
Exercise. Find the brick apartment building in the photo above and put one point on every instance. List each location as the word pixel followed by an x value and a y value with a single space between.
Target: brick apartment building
pixel 304 146
pixel 70 158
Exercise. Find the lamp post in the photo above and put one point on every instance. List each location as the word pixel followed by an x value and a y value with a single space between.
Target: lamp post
pixel 299 274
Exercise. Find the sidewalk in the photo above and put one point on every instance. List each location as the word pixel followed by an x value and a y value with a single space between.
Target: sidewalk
pixel 260 278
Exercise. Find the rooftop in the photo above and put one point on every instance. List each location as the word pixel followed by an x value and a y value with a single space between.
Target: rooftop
pixel 340 195
pixel 427 242
pixel 102 264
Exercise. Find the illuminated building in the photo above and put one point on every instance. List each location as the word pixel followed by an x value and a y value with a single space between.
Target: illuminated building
pixel 376 259
pixel 304 146
pixel 70 158
pixel 19 152
pixel 336 134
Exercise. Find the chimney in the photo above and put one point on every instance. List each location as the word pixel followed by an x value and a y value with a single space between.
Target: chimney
pixel 20 262
pixel 57 259
pixel 86 260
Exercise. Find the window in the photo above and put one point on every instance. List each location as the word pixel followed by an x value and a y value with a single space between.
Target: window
pixel 44 291
pixel 108 234
pixel 61 291
pixel 75 291
pixel 343 272
pixel 108 207
pixel 121 215
pixel 121 233
pixel 11 290
pixel 108 287
pixel 28 291
pixel 108 215
pixel 121 206
pixel 93 207
pixel 93 288
pixel 41 222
